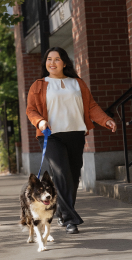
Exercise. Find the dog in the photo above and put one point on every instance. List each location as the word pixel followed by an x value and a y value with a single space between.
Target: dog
pixel 38 205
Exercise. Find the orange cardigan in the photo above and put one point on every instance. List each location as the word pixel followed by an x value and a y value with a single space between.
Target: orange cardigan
pixel 37 109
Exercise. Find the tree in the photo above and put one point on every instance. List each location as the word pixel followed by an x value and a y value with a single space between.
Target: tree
pixel 8 93
pixel 8 72
pixel 7 18
pixel 12 19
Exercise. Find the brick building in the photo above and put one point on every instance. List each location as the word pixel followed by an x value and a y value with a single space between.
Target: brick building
pixel 97 35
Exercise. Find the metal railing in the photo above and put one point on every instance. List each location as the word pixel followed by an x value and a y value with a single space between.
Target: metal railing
pixel 107 111
pixel 120 102
pixel 122 118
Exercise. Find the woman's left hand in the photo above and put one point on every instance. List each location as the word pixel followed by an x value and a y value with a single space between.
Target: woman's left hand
pixel 112 125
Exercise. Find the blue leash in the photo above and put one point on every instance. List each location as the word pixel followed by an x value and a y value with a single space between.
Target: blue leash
pixel 46 132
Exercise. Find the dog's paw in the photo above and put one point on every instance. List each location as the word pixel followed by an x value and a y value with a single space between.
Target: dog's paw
pixel 41 248
pixel 30 240
pixel 50 238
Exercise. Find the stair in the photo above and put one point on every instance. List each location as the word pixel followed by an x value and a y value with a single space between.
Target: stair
pixel 120 173
pixel 117 188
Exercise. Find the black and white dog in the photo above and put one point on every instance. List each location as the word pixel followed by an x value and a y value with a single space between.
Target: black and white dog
pixel 38 205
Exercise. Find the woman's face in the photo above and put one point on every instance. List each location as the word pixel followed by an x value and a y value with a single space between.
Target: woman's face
pixel 55 65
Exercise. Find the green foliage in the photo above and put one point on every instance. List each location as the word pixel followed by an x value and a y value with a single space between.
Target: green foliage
pixel 8 72
pixel 8 93
pixel 3 155
pixel 12 19
pixel 7 18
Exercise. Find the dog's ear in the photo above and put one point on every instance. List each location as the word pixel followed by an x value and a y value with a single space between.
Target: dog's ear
pixel 46 177
pixel 33 179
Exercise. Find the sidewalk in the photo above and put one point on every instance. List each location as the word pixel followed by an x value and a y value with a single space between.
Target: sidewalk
pixel 105 235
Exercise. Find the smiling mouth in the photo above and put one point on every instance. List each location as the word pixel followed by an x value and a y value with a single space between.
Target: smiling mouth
pixel 45 202
pixel 52 67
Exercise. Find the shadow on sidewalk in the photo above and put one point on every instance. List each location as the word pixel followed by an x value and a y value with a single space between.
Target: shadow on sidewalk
pixel 107 228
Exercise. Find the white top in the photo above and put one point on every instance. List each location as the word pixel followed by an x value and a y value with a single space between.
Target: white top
pixel 64 105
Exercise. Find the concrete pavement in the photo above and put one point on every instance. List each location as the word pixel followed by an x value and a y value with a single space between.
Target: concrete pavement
pixel 105 235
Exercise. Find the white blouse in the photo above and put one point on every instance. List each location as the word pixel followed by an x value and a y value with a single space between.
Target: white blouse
pixel 65 105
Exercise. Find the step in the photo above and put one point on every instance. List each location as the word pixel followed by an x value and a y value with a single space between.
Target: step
pixel 114 189
pixel 120 173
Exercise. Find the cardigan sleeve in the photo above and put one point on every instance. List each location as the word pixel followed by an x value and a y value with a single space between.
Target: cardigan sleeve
pixel 32 111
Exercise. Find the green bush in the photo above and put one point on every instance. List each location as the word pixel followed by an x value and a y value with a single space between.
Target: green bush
pixel 3 155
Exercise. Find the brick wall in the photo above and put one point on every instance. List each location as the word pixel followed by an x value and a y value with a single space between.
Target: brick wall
pixel 106 59
pixel 102 58
pixel 32 66
pixel 80 43
pixel 28 70
pixel 129 18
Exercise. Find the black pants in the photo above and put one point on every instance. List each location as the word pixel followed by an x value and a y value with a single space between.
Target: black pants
pixel 64 154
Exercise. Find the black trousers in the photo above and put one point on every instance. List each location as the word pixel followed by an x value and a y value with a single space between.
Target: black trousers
pixel 64 153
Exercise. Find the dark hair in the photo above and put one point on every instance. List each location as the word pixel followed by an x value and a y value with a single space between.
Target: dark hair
pixel 68 71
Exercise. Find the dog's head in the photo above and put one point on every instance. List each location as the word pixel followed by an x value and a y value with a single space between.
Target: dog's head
pixel 43 190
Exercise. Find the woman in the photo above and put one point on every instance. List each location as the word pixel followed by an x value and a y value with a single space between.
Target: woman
pixel 62 102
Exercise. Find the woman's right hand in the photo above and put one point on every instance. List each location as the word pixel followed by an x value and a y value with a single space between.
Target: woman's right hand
pixel 43 125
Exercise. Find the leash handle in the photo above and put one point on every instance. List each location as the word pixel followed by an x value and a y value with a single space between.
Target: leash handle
pixel 46 132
